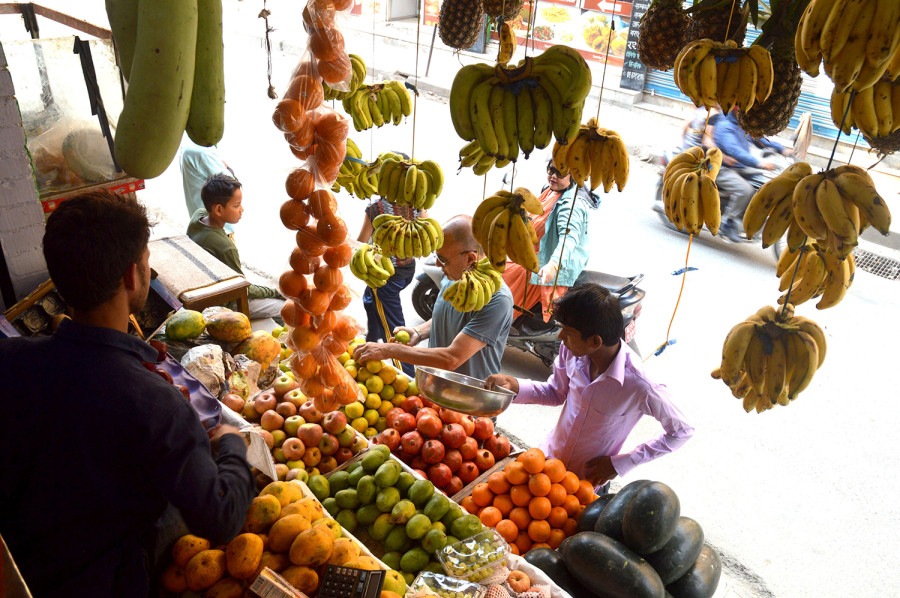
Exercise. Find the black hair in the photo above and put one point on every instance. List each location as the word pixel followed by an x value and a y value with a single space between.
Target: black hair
pixel 591 310
pixel 89 243
pixel 218 190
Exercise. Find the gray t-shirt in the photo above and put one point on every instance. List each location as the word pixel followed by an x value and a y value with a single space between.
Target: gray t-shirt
pixel 490 325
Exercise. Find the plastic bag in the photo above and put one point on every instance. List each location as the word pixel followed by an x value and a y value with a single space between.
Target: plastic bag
pixel 434 584
pixel 206 363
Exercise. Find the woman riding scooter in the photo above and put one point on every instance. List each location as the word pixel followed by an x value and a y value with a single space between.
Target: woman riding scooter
pixel 566 207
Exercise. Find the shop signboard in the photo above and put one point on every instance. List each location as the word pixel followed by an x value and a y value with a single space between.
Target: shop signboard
pixel 634 72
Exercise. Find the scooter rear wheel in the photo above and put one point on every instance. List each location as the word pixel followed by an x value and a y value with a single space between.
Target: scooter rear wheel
pixel 424 296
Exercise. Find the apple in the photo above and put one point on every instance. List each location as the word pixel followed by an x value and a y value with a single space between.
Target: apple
pixel 411 442
pixel 429 425
pixel 285 409
pixel 453 486
pixel 433 452
pixel 293 449
pixel 468 449
pixel 334 422
pixel 411 404
pixel 280 436
pixel 518 581
pixel 418 462
pixel 279 456
pixel 404 423
pixel 468 471
pixel 270 420
pixel 270 440
pixel 249 412
pixel 449 416
pixel 453 435
pixel 295 398
pixel 327 464
pixel 264 402
pixel 439 474
pixel 310 434
pixel 284 384
pixel 425 411
pixel 313 456
pixel 346 437
pixel 359 444
pixel 468 424
pixel 296 464
pixel 499 446
pixel 453 459
pixel 329 445
pixel 484 460
pixel 281 470
pixel 292 424
pixel 297 474
pixel 392 415
pixel 234 402
pixel 484 428
pixel 343 455
pixel 309 412
pixel 389 438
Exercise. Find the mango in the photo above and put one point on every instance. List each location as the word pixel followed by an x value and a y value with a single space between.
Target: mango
pixel 453 513
pixel 405 482
pixel 397 540
pixel 312 548
pixel 366 489
pixel 420 492
pixel 466 526
pixel 262 513
pixel 275 561
pixel 338 481
pixel 355 476
pixel 414 560
pixel 331 506
pixel 303 578
pixel 242 555
pixel 331 524
pixel 367 514
pixel 347 519
pixel 386 499
pixel 172 579
pixel 402 512
pixel 347 499
pixel 394 582
pixel 285 530
pixel 388 473
pixel 373 460
pixel 367 563
pixel 204 569
pixel 319 486
pixel 228 587
pixel 434 540
pixel 392 559
pixel 417 526
pixel 285 492
pixel 382 526
pixel 186 547
pixel 345 550
pixel 437 506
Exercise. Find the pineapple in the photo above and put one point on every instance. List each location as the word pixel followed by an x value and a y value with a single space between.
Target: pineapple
pixel 663 33
pixel 773 115
pixel 712 23
pixel 505 9
pixel 460 22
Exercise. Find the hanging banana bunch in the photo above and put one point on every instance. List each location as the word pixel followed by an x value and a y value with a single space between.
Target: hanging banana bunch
pixel 356 80
pixel 713 73
pixel 502 227
pixel 814 271
pixel 690 195
pixel 404 238
pixel 410 182
pixel 371 267
pixel 597 154
pixel 475 289
pixel 374 105
pixel 875 110
pixel 471 155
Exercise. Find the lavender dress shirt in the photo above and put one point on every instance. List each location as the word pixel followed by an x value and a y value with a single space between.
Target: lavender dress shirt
pixel 598 415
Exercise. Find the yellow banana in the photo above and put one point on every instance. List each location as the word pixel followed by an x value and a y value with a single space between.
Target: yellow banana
pixel 806 212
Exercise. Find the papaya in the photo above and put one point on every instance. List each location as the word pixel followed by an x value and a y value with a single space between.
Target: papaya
pixel 228 587
pixel 228 326
pixel 675 558
pixel 242 555
pixel 158 99
pixel 262 513
pixel 185 324
pixel 204 569
pixel 285 492
pixel 650 518
pixel 312 548
pixel 261 347
pixel 606 567
pixel 702 578
pixel 303 578
pixel 283 532
pixel 186 547
pixel 206 120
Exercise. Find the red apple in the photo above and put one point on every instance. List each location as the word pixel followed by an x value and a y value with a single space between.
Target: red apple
pixel 412 442
pixel 264 401
pixel 433 452
pixel 271 420
pixel 453 486
pixel 425 411
pixel 499 446
pixel 449 416
pixel 295 474
pixel 312 456
pixel 453 435
pixel 392 415
pixel 518 581
pixel 292 424
pixel 310 434
pixel 295 398
pixel 439 474
pixel 284 384
pixel 234 402
pixel 453 459
pixel 329 445
pixel 346 437
pixel 429 425
pixel 327 464
pixel 309 412
pixel 411 404
pixel 359 444
pixel 334 422
pixel 389 438
pixel 418 462
pixel 484 460
pixel 285 409
pixel 281 470
pixel 343 455
pixel 270 440
pixel 484 428
pixel 249 411
pixel 468 424
pixel 293 449
pixel 468 449
pixel 468 471
pixel 404 423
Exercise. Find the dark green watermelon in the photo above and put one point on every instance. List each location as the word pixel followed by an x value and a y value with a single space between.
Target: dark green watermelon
pixel 650 518
pixel 589 515
pixel 610 569
pixel 702 578
pixel 551 562
pixel 609 523
pixel 678 555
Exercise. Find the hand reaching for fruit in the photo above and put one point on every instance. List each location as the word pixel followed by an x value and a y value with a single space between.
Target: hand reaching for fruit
pixel 370 352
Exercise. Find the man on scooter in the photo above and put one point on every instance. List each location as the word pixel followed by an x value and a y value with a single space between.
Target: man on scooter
pixel 737 165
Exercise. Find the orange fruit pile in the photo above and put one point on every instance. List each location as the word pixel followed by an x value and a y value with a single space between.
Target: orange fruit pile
pixel 533 502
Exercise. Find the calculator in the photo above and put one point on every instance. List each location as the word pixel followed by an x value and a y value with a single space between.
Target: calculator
pixel 349 582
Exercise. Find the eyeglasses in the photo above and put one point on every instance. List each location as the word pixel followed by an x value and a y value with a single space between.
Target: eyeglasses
pixel 551 171
pixel 440 261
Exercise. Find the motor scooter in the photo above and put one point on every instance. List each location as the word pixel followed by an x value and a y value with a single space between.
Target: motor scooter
pixel 529 332
pixel 757 179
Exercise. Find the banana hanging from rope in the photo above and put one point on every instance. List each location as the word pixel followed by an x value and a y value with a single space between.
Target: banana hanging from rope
pixel 690 195
pixel 770 357
pixel 475 289
pixel 404 238
pixel 502 227
pixel 371 267
pixel 410 182
pixel 356 80
pixel 875 111
pixel 472 156
pixel 713 73
pixel 596 154
pixel 378 104
pixel 814 271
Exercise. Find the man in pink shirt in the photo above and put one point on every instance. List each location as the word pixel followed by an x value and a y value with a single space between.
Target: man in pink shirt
pixel 603 389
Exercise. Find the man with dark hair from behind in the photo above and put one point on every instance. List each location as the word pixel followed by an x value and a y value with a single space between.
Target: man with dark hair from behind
pixel 604 391
pixel 96 445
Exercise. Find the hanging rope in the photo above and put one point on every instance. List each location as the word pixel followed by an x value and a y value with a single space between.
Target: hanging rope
pixel 412 153
pixel 388 333
pixel 606 58
pixel 264 14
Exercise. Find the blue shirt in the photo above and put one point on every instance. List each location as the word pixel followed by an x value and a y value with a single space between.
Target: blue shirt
pixel 731 139
pixel 489 325
pixel 94 448
pixel 573 257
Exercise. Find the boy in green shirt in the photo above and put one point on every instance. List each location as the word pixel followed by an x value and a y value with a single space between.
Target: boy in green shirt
pixel 222 197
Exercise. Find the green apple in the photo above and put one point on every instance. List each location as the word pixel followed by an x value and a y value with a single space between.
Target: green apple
pixel 402 337
pixel 292 424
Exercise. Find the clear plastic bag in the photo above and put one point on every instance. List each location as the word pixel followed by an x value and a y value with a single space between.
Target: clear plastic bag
pixel 481 557
pixel 442 586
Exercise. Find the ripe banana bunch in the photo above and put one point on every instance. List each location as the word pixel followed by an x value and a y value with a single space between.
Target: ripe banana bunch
pixel 352 169
pixel 506 109
pixel 404 238
pixel 819 273
pixel 375 105
pixel 508 43
pixel 357 79
pixel 410 182
pixel 369 266
pixel 595 153
pixel 770 357
pixel 471 155
pixel 858 40
pixel 831 207
pixel 502 227
pixel 874 110
pixel 475 289
pixel 713 73
pixel 690 195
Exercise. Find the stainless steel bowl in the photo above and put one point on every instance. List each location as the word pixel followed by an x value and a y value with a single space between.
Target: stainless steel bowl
pixel 462 393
